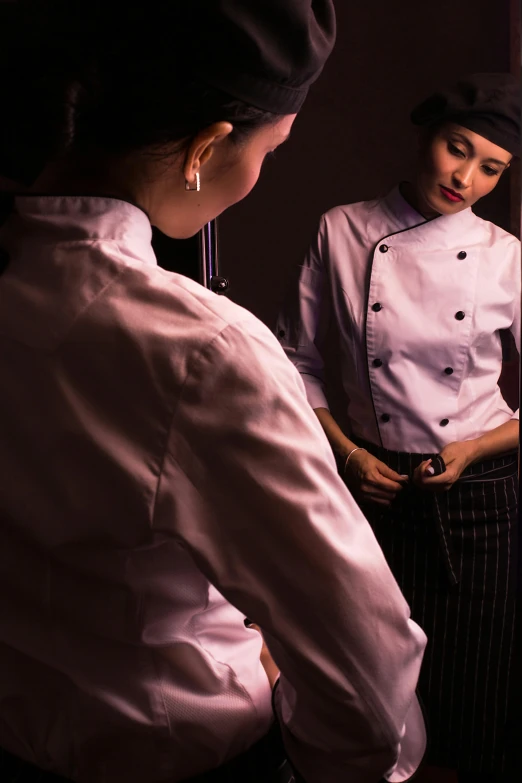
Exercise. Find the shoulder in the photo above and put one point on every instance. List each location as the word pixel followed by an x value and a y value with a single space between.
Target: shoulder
pixel 498 239
pixel 351 230
pixel 177 319
pixel 357 213
pixel 355 226
pixel 220 352
pixel 178 303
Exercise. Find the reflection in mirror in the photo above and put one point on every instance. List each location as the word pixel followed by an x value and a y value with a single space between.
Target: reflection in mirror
pixel 405 312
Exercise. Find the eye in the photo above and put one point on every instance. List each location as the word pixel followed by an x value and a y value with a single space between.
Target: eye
pixel 455 150
pixel 490 172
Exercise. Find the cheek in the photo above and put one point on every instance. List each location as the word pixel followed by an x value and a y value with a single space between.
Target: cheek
pixel 440 162
pixel 486 186
pixel 242 179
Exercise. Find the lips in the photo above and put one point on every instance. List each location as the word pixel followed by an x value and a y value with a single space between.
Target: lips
pixel 451 195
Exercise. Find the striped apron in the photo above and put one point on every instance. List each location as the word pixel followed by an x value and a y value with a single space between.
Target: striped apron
pixel 454 555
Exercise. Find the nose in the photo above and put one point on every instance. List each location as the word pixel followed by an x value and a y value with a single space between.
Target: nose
pixel 463 176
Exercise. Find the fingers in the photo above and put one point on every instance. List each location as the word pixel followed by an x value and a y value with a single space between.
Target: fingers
pixel 446 478
pixel 383 483
pixel 379 502
pixel 421 471
pixel 373 494
pixel 377 490
pixel 440 483
pixel 391 474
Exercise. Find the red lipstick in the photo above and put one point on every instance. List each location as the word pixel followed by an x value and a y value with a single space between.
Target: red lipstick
pixel 451 195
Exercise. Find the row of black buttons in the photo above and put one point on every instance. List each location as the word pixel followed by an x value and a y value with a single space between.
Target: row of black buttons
pixel 378 363
pixel 386 418
pixel 461 255
pixel 377 307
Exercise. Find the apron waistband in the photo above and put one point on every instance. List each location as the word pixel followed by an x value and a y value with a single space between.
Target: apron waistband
pixel 493 469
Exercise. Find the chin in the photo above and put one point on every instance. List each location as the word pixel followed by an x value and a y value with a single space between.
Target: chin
pixel 177 232
pixel 439 204
pixel 452 209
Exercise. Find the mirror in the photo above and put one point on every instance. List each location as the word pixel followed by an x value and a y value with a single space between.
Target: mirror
pixel 353 142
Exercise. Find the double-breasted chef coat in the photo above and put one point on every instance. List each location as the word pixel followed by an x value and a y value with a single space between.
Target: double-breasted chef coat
pixel 419 306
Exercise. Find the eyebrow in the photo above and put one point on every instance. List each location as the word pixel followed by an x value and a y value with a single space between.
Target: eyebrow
pixel 470 146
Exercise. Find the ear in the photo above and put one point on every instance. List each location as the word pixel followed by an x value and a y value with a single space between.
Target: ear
pixel 202 147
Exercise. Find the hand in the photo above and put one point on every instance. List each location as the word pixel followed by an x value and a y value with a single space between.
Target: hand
pixel 267 662
pixel 457 456
pixel 372 480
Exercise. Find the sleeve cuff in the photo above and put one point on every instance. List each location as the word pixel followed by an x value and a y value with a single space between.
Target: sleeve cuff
pixel 314 388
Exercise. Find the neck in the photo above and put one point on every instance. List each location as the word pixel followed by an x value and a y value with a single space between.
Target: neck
pixel 89 176
pixel 412 195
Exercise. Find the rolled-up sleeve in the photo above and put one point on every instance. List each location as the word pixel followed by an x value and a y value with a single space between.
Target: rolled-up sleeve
pixel 303 321
pixel 516 287
pixel 249 488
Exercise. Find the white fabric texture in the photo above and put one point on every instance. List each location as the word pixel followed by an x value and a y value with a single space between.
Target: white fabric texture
pixel 420 297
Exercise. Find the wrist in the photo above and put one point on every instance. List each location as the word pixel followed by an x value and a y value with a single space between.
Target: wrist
pixel 475 450
pixel 352 455
pixel 343 447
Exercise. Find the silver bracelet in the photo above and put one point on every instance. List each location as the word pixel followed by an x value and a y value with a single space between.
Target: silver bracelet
pixel 357 448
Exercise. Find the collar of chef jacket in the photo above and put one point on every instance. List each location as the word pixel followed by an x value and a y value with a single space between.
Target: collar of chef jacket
pixel 104 228
pixel 442 231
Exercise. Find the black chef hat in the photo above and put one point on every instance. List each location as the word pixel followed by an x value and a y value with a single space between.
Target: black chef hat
pixel 485 103
pixel 264 52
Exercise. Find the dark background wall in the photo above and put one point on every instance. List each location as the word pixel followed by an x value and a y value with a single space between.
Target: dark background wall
pixel 353 140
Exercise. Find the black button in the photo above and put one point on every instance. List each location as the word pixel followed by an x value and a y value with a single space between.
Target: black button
pixel 377 363
pixel 383 248
pixel 449 370
pixel 444 422
pixel 462 255
pixel 460 315
pixel 385 417
pixel 282 333
pixel 376 307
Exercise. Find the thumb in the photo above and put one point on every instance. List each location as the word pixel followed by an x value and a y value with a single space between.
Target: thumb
pixel 424 468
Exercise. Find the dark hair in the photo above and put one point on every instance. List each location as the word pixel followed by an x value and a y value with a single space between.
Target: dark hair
pixel 72 80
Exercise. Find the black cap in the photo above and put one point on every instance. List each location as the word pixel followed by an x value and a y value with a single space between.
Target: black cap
pixel 485 103
pixel 264 52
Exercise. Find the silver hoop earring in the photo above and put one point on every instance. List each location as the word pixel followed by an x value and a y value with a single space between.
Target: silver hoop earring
pixel 197 186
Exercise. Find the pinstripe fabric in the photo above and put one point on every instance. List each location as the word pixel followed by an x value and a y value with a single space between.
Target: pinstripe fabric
pixel 454 556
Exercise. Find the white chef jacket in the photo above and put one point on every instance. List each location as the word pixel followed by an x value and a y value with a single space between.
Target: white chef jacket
pixel 419 306
pixel 158 459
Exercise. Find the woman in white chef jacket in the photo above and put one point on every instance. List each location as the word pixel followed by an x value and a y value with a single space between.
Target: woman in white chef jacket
pixel 140 521
pixel 418 289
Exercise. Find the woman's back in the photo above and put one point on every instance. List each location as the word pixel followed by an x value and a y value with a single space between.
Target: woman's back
pixel 96 585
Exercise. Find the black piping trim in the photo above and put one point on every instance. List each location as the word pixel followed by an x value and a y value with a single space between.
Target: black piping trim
pixel 370 270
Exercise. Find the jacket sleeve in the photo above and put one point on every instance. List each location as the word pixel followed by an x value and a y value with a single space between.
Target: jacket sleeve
pixel 249 488
pixel 304 318
pixel 516 287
